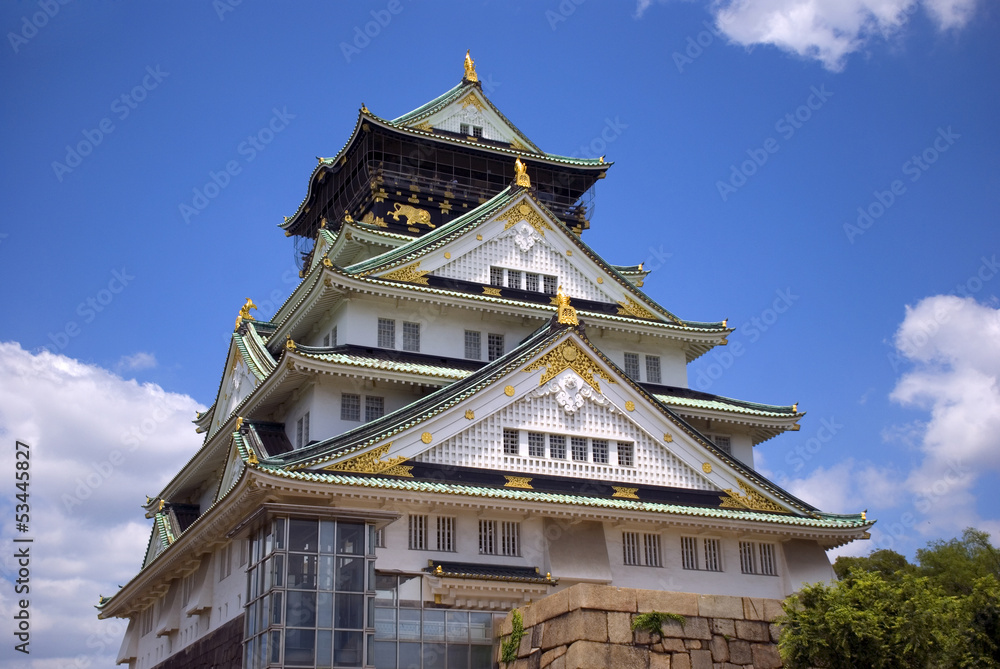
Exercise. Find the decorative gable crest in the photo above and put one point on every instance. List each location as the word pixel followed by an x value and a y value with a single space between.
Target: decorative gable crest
pixel 371 462
pixel 569 356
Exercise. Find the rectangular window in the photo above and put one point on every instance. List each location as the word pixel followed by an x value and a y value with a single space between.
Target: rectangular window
pixel 487 537
pixel 494 346
pixel 463 128
pixel 550 285
pixel 652 369
pixel 386 333
pixel 477 131
pixel 531 282
pixel 374 407
pixel 758 558
pixel 713 555
pixel 632 366
pixel 768 565
pixel 578 446
pixel 350 406
pixel 724 443
pixel 510 538
pixel 380 538
pixel 473 345
pixel 689 552
pixel 557 446
pixel 536 444
pixel 333 336
pixel 651 546
pixel 626 454
pixel 411 337
pixel 630 547
pixel 302 431
pixel 496 276
pixel 326 340
pixel 510 442
pixel 446 534
pixel 499 538
pixel 226 561
pixel 514 278
pixel 600 450
pixel 418 533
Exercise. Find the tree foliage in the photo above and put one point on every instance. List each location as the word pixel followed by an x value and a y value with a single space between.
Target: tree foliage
pixel 886 613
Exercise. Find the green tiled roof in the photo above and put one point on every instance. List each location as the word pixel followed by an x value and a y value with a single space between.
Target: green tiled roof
pixel 354 358
pixel 728 404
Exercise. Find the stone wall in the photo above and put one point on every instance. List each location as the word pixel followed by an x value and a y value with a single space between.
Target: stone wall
pixel 220 649
pixel 589 627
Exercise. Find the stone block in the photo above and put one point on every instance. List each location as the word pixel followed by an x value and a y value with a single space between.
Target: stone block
pixel 549 607
pixel 628 657
pixel 739 652
pixel 720 648
pixel 774 631
pixel 765 656
pixel 692 644
pixel 620 628
pixel 697 628
pixel 772 609
pixel 575 626
pixel 752 630
pixel 720 606
pixel 601 598
pixel 684 603
pixel 723 626
pixel 525 648
pixel 659 661
pixel 558 663
pixel 680 661
pixel 536 634
pixel 701 659
pixel 549 656
pixel 673 645
pixel 753 608
pixel 587 655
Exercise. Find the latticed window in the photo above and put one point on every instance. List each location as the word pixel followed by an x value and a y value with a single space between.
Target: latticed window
pixel 689 552
pixel 488 537
pixel 374 407
pixel 652 369
pixel 626 454
pixel 473 345
pixel 557 446
pixel 641 550
pixel 477 131
pixel 536 444
pixel 758 558
pixel 651 550
pixel 496 276
pixel 724 443
pixel 350 406
pixel 463 128
pixel 578 445
pixel 549 284
pixel 411 337
pixel 632 366
pixel 510 442
pixel 531 281
pixel 713 555
pixel 446 533
pixel 333 336
pixel 514 278
pixel 600 450
pixel 386 333
pixel 494 346
pixel 418 533
pixel 510 538
pixel 630 548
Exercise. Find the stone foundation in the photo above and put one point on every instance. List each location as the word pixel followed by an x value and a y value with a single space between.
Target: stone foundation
pixel 589 627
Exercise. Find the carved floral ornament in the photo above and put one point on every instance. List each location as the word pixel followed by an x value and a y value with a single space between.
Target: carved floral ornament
pixel 571 393
pixel 569 356
pixel 524 212
pixel 751 500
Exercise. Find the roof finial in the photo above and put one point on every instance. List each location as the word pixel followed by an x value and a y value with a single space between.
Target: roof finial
pixel 521 174
pixel 470 68
pixel 245 313
pixel 567 314
pixel 364 109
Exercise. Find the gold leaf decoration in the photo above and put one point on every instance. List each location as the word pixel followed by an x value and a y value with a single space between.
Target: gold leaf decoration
pixel 667 437
pixel 508 391
pixel 630 406
pixel 629 307
pixel 569 356
pixel 706 467
pixel 426 437
pixel 409 273
pixel 470 414
pixel 752 500
pixel 372 463
pixel 425 126
pixel 489 290
pixel 471 100
pixel 518 482
pixel 627 493
pixel 524 212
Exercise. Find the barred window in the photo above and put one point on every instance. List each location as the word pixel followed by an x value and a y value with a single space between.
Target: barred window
pixel 225 561
pixel 599 448
pixel 494 346
pixel 496 276
pixel 652 369
pixel 510 442
pixel 724 443
pixel 510 538
pixel 549 284
pixel 411 337
pixel 758 558
pixel 651 544
pixel 386 333
pixel 418 533
pixel 713 555
pixel 350 406
pixel 630 547
pixel 446 533
pixel 333 336
pixel 578 446
pixel 477 131
pixel 531 281
pixel 326 339
pixel 645 553
pixel 514 278
pixel 374 407
pixel 632 366
pixel 463 128
pixel 380 538
pixel 689 552
pixel 536 444
pixel 487 537
pixel 473 345
pixel 302 431
pixel 626 454
pixel 557 446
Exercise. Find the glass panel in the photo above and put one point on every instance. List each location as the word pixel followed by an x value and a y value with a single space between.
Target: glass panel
pixel 326 572
pixel 300 610
pixel 409 624
pixel 458 657
pixel 302 571
pixel 279 534
pixel 326 530
pixel 481 656
pixel 351 574
pixel 351 538
pixel 481 627
pixel 385 588
pixel 409 656
pixel 302 535
pixel 348 649
pixel 268 541
pixel 433 654
pixel 385 623
pixel 275 647
pixel 350 612
pixel 300 648
pixel 251 657
pixel 276 609
pixel 458 626
pixel 324 609
pixel 262 650
pixel 251 620
pixel 433 625
pixel 371 612
pixel 385 655
pixel 252 584
pixel 324 649
pixel 266 570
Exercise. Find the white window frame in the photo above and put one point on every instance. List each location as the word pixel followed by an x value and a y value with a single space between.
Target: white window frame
pixel 417 532
pixel 374 404
pixel 473 344
pixel 345 413
pixel 386 333
pixel 654 370
pixel 631 365
pixel 411 337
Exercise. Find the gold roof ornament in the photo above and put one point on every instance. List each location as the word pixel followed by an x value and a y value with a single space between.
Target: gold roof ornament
pixel 567 314
pixel 364 109
pixel 245 313
pixel 470 68
pixel 521 177
pixel 289 343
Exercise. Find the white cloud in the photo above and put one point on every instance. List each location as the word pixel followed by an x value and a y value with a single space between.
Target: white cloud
pixel 135 362
pixel 99 444
pixel 826 30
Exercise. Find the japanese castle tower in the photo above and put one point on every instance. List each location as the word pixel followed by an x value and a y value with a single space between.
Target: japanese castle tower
pixel 461 409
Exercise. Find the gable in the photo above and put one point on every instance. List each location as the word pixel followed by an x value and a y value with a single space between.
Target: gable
pixel 231 474
pixel 473 109
pixel 238 382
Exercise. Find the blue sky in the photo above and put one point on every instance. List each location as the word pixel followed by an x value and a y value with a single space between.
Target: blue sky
pixel 828 182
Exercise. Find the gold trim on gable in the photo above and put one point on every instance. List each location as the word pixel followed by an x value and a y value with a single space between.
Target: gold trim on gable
pixel 752 500
pixel 372 463
pixel 569 356
pixel 409 273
